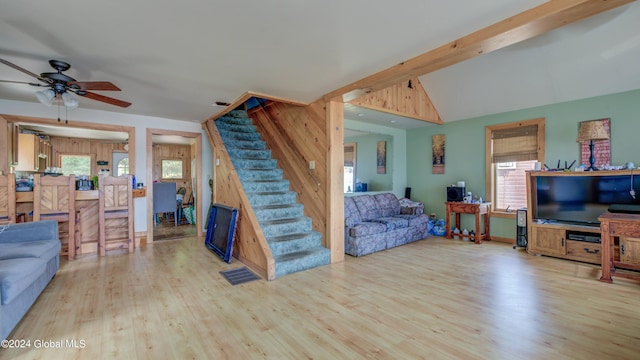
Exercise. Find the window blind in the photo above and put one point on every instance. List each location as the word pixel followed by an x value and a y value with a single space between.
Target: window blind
pixel 349 156
pixel 514 144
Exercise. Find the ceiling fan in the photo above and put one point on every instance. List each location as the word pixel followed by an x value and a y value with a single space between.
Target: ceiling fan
pixel 60 86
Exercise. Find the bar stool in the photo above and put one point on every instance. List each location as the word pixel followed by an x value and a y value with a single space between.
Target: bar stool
pixel 54 198
pixel 115 214
pixel 7 199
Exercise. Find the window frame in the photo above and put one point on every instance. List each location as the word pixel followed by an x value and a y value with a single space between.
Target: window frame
pixel 353 167
pixel 171 178
pixel 490 168
pixel 116 167
pixel 92 162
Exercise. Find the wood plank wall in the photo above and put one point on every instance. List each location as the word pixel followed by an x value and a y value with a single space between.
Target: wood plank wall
pixel 98 149
pixel 296 136
pixel 407 98
pixel 173 152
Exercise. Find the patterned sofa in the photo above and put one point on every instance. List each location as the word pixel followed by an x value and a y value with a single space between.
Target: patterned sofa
pixel 376 222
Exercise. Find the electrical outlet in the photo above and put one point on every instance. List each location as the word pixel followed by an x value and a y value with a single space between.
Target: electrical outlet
pixel 312 164
pixel 218 162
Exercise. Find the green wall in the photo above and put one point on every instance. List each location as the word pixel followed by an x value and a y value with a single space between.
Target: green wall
pixel 465 147
pixel 366 165
pixel 396 152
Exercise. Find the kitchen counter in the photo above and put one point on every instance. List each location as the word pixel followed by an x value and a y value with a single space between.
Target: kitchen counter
pixel 87 216
pixel 27 196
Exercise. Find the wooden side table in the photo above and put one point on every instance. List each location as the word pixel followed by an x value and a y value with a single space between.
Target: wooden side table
pixel 620 225
pixel 478 210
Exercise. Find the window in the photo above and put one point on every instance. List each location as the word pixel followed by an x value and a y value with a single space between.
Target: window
pixel 122 167
pixel 172 169
pixel 349 167
pixel 75 164
pixel 512 149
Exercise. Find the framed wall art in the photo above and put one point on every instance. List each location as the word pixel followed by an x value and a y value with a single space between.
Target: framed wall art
pixel 437 157
pixel 381 157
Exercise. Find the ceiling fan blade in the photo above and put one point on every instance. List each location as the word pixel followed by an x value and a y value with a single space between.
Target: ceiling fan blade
pixel 21 69
pixel 95 85
pixel 23 82
pixel 106 99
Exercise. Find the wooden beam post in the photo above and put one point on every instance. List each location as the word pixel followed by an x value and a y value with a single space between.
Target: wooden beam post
pixel 335 179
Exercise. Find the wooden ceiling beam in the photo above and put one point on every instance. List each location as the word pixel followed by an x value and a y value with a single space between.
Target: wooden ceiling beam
pixel 525 25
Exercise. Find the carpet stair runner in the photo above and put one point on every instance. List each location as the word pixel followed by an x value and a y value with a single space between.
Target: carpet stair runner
pixel 295 246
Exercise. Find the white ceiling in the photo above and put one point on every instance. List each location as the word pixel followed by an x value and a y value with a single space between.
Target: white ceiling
pixel 173 59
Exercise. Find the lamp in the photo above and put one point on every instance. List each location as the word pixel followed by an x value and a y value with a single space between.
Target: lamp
pixel 69 100
pixel 46 96
pixel 591 131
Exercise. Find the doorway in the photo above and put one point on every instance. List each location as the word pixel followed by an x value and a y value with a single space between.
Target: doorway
pixel 174 157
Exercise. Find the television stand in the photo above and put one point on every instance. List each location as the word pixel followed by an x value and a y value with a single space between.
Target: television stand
pixel 619 232
pixel 566 241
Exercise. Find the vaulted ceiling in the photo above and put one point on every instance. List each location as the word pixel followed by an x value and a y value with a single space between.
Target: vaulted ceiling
pixel 173 59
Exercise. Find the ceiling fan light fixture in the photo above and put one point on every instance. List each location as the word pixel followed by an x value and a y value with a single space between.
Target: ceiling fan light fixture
pixel 69 100
pixel 59 83
pixel 46 96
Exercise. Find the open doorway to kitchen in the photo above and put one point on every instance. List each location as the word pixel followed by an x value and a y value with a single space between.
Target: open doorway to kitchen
pixel 174 157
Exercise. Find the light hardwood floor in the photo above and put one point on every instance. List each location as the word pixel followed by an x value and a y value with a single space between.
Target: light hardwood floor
pixel 168 231
pixel 433 299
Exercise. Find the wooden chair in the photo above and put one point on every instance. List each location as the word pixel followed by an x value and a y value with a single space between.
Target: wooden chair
pixel 8 199
pixel 115 219
pixel 180 194
pixel 54 198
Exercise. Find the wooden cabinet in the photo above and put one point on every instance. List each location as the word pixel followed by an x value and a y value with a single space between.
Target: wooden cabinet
pixel 629 250
pixel 44 156
pixel 28 150
pixel 547 240
pixel 12 145
pixel 34 153
pixel 556 240
pixel 620 245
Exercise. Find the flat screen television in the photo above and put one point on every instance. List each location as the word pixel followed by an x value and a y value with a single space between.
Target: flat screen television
pixel 221 230
pixel 581 199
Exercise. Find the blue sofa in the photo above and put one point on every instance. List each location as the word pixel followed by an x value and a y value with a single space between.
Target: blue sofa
pixel 377 222
pixel 29 258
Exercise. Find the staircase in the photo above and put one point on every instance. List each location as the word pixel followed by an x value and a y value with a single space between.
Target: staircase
pixel 294 245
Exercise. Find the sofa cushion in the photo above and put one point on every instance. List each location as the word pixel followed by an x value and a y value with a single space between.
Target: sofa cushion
pixel 388 203
pixel 415 220
pixel 29 231
pixel 368 207
pixel 351 214
pixel 393 223
pixel 367 228
pixel 17 274
pixel 45 249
